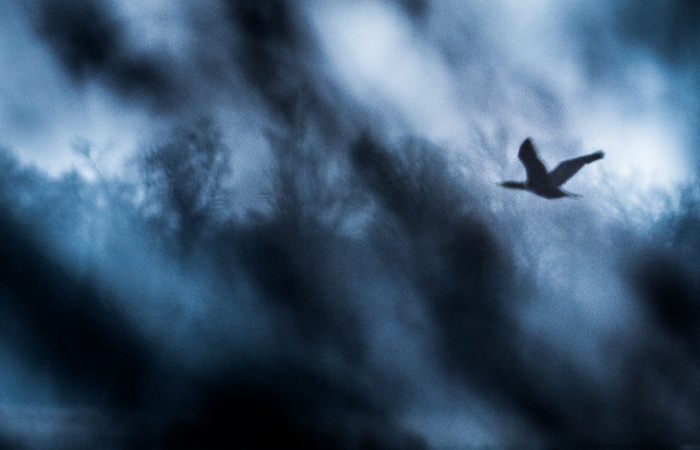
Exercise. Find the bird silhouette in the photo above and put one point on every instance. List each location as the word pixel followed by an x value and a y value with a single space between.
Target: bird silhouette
pixel 542 182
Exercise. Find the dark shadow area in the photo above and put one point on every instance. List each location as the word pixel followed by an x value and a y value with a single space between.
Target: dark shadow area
pixel 91 348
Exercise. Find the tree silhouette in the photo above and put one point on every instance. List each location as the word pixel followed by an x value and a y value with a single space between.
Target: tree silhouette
pixel 185 180
pixel 312 186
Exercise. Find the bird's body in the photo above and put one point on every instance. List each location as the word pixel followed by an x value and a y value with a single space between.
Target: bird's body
pixel 545 183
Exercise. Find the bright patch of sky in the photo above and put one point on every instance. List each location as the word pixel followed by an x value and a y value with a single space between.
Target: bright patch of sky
pixel 43 113
pixel 383 60
pixel 376 54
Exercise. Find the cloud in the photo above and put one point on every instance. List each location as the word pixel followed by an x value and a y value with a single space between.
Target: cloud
pixel 370 285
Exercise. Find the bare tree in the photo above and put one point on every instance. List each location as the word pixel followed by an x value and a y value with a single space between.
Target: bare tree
pixel 185 180
pixel 312 187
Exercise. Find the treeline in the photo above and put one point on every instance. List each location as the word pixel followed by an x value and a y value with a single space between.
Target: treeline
pixel 370 280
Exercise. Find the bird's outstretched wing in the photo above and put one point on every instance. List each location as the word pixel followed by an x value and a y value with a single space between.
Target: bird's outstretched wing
pixel 534 167
pixel 567 169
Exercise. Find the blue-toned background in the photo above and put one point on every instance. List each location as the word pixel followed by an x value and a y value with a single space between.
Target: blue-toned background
pixel 246 224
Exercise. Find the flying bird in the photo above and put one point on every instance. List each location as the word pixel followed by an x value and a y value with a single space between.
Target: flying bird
pixel 539 180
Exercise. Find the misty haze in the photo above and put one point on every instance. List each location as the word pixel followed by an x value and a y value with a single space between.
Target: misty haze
pixel 283 224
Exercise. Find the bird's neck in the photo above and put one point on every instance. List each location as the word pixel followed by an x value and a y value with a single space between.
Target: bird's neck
pixel 514 185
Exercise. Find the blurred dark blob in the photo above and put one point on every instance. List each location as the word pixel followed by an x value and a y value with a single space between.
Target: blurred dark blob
pixel 281 59
pixel 84 35
pixel 669 28
pixel 288 405
pixel 416 9
pixel 91 348
pixel 91 43
pixel 298 272
pixel 275 52
pixel 613 42
pixel 671 292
